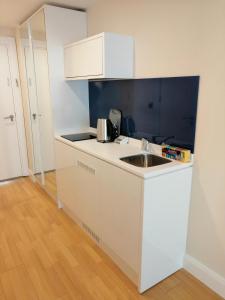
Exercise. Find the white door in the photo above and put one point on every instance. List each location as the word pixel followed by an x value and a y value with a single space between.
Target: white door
pixel 10 160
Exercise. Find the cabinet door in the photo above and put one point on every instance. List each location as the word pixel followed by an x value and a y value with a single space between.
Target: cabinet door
pixel 87 199
pixel 69 185
pixel 65 173
pixel 79 60
pixel 120 212
pixel 76 174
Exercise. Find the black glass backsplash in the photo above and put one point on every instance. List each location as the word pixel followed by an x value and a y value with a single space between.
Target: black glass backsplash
pixel 160 110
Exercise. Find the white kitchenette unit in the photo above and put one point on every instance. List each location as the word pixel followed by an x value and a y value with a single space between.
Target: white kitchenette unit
pixel 138 216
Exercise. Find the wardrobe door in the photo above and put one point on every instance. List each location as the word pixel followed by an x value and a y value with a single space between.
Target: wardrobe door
pixel 34 140
pixel 44 105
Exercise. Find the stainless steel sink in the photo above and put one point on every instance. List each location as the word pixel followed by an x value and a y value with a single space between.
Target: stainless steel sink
pixel 145 160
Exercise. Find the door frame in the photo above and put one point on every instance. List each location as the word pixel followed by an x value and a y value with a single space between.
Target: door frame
pixel 9 42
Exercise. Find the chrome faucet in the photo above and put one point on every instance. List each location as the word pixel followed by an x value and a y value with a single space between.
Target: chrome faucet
pixel 145 145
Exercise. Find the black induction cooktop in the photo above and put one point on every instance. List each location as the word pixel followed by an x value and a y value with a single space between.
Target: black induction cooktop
pixel 79 136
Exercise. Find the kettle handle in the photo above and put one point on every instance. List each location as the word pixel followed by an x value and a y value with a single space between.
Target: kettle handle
pixel 110 130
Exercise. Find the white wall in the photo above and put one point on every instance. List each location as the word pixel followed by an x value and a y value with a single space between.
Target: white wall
pixel 175 38
pixel 69 98
pixel 9 32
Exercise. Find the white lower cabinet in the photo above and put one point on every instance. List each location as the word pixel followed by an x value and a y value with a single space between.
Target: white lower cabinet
pixel 141 224
pixel 120 214
pixel 77 185
pixel 65 174
pixel 87 181
pixel 164 226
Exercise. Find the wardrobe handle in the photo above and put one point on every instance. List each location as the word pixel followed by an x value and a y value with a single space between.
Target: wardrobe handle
pixel 11 117
pixel 34 116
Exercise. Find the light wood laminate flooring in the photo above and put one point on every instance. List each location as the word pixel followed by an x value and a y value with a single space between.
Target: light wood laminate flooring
pixel 44 255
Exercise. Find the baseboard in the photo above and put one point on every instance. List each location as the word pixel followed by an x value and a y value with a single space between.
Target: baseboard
pixel 59 203
pixel 31 175
pixel 25 172
pixel 209 277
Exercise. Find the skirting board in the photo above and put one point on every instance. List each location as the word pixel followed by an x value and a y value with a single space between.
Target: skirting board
pixel 31 175
pixel 210 278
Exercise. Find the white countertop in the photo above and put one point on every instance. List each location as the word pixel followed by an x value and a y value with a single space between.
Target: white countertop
pixel 112 152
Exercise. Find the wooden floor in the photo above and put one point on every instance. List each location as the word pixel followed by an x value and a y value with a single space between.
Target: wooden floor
pixel 45 256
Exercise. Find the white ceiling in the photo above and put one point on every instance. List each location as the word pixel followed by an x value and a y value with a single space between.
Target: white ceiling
pixel 14 12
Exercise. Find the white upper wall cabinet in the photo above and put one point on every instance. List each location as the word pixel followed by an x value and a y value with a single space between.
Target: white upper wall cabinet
pixel 106 55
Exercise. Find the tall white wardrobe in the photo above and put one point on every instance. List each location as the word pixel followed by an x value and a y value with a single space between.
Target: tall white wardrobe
pixel 52 105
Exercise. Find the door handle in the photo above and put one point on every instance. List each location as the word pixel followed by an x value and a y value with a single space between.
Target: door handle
pixel 34 115
pixel 11 117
